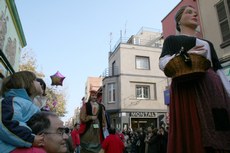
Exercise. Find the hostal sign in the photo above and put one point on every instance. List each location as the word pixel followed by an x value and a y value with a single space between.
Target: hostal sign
pixel 143 114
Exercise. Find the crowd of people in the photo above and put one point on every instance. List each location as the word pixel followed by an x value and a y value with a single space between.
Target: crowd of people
pixel 196 110
pixel 149 140
pixel 27 128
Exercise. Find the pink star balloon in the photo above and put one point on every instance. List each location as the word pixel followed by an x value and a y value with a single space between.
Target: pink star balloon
pixel 57 78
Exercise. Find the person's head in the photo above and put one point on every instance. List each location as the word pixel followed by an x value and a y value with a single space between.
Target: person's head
pixel 186 16
pixel 155 131
pixel 51 126
pixel 112 130
pixel 40 100
pixel 93 95
pixel 77 125
pixel 22 79
pixel 161 129
pixel 149 129
pixel 43 85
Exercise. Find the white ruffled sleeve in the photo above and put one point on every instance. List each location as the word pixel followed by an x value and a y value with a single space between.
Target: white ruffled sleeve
pixel 164 60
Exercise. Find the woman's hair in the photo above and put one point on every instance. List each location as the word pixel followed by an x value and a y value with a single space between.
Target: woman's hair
pixel 21 79
pixel 43 85
pixel 179 15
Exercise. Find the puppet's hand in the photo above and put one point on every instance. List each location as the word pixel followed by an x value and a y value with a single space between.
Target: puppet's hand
pixel 199 52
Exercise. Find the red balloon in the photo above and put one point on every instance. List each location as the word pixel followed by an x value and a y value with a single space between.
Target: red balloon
pixel 57 79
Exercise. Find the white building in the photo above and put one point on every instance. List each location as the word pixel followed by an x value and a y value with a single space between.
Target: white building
pixel 133 85
pixel 215 20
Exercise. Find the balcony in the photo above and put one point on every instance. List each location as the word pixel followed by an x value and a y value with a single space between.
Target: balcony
pixel 145 37
pixel 111 71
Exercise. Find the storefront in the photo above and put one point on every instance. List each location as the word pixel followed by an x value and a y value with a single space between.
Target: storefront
pixel 136 120
pixel 146 119
pixel 137 123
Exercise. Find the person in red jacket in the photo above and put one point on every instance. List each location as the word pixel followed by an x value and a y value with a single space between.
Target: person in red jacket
pixel 112 143
pixel 76 138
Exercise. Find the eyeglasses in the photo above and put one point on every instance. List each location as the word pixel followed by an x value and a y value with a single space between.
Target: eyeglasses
pixel 60 131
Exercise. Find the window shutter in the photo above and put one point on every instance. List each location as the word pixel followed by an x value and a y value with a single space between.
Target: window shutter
pixel 223 20
pixel 221 11
pixel 228 3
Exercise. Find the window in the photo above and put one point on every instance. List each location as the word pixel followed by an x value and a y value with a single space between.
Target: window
pixel 113 68
pixel 223 12
pixel 111 92
pixel 142 62
pixel 142 92
pixel 136 41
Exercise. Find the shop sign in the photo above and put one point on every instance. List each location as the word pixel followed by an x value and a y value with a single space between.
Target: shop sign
pixel 143 114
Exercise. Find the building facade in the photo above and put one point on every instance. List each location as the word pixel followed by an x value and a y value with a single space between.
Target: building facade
pixel 133 85
pixel 215 20
pixel 12 38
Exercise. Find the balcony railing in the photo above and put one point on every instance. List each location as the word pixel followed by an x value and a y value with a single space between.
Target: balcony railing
pixel 150 38
pixel 111 71
pixel 121 40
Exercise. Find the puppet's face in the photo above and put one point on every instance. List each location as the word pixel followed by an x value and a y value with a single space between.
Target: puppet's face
pixel 189 18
